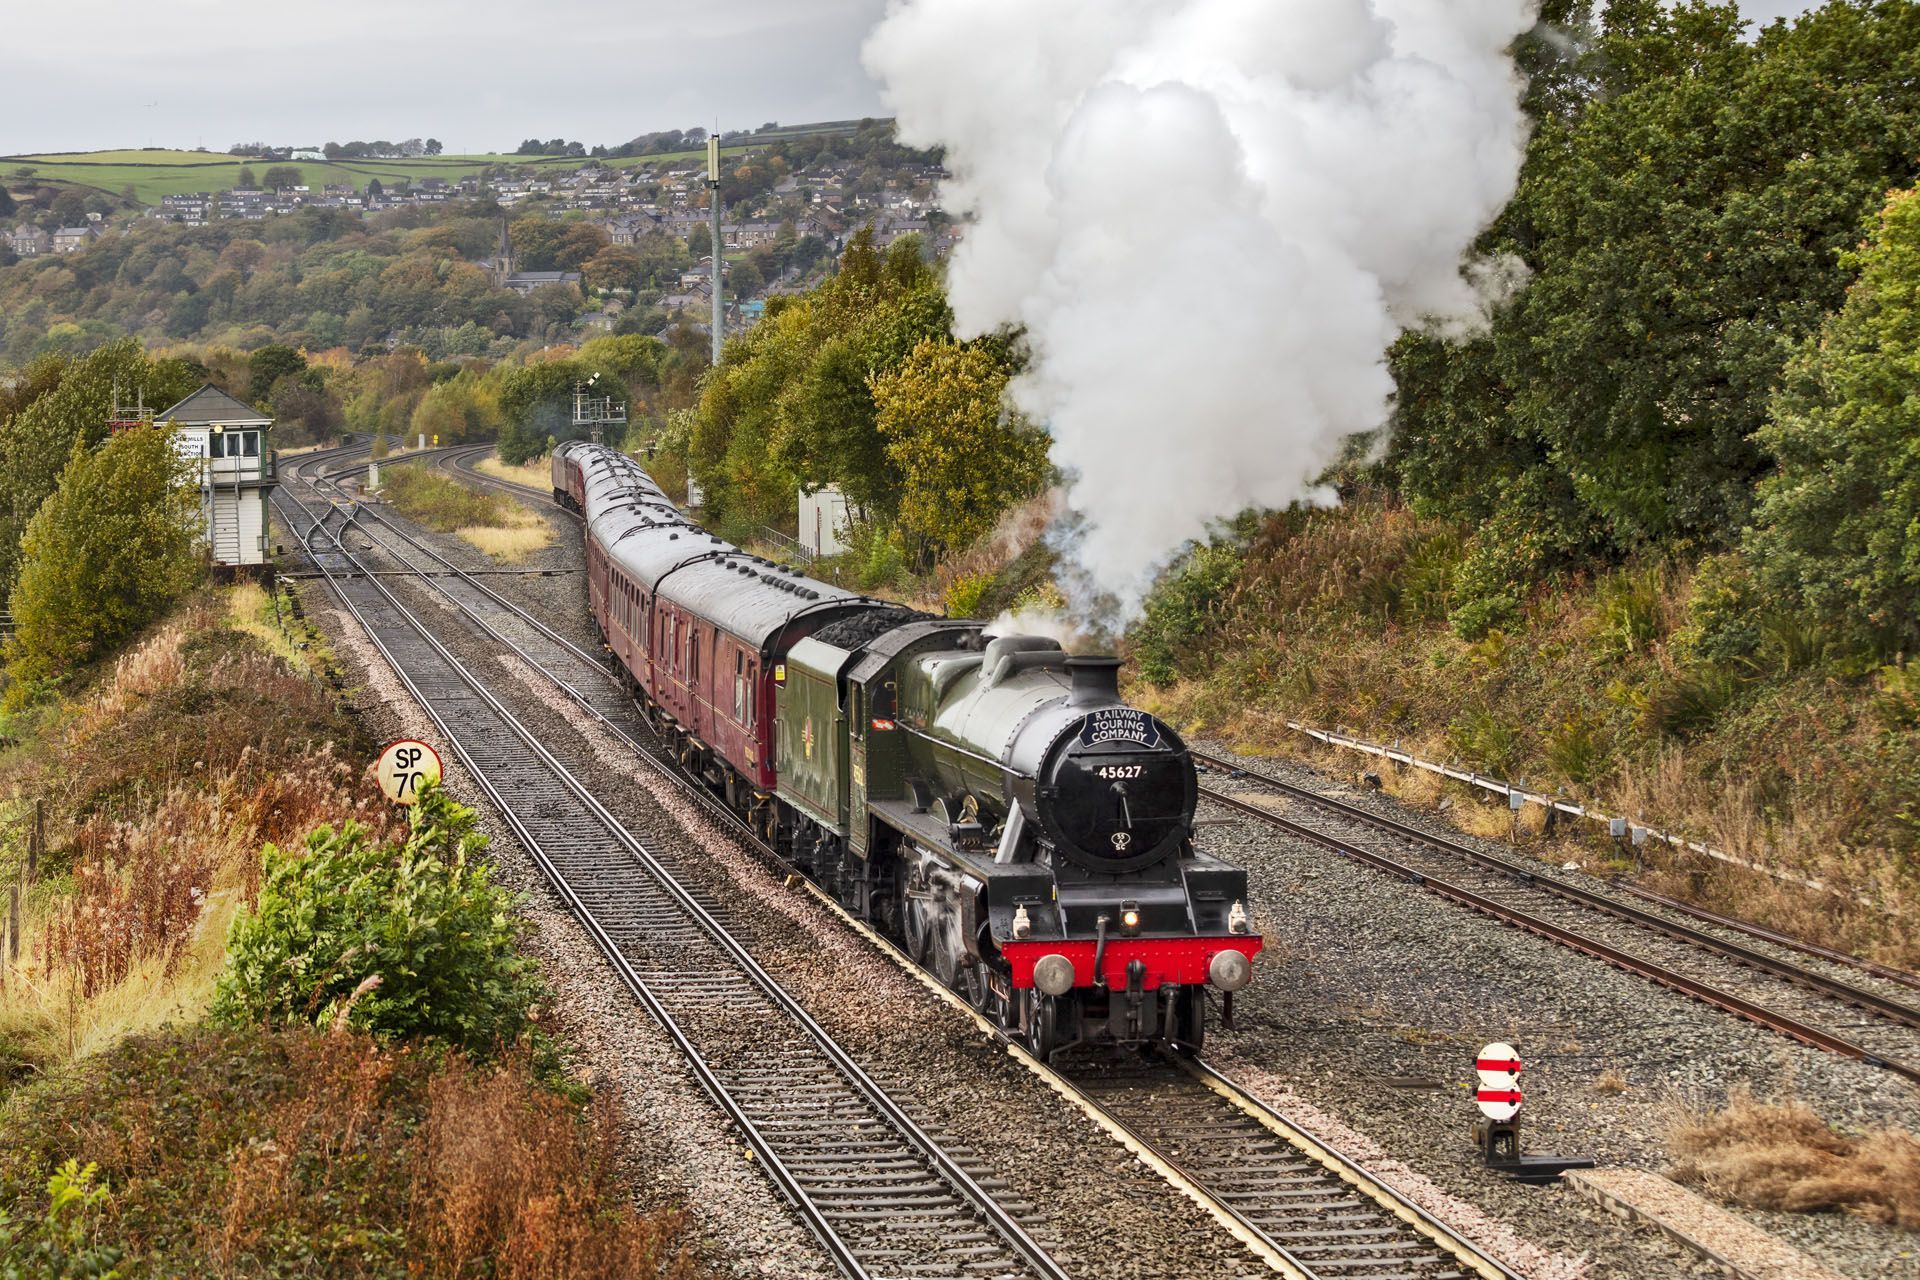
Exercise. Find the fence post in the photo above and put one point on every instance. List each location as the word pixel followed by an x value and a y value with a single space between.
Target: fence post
pixel 13 924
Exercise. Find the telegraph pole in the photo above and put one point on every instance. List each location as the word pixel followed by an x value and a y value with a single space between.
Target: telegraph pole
pixel 713 213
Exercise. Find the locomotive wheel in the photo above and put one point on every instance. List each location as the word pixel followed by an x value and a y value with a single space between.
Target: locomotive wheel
pixel 1043 1037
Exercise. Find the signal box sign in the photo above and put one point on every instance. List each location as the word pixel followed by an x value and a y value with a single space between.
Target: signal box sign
pixel 405 767
pixel 1499 1094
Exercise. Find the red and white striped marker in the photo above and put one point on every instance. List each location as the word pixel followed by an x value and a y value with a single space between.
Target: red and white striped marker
pixel 1499 1094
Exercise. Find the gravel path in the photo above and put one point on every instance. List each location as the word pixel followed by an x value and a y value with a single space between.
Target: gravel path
pixel 1375 996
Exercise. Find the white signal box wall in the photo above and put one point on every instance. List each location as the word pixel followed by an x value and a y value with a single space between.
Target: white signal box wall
pixel 226 441
pixel 824 520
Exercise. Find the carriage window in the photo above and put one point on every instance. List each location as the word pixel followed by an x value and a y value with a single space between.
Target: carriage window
pixel 739 687
pixel 753 694
pixel 693 653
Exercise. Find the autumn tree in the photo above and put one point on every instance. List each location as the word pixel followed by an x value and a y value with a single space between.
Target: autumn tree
pixel 107 552
pixel 36 441
pixel 962 457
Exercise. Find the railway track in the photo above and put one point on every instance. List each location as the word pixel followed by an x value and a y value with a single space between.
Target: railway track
pixel 1786 995
pixel 1298 1204
pixel 878 1192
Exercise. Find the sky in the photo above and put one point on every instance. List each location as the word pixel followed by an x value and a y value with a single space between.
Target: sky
pixel 480 75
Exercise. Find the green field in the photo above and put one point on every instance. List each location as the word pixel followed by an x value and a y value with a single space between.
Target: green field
pixel 153 174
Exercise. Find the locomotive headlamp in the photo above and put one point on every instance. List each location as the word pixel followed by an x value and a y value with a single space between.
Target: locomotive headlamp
pixel 1130 917
pixel 1053 974
pixel 1229 970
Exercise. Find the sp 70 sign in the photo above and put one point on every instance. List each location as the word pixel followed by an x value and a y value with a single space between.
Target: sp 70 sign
pixel 405 767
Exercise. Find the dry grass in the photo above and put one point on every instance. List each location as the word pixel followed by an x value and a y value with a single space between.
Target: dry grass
pixel 302 1153
pixel 1782 1155
pixel 525 534
pixel 1611 1081
pixel 1338 619
pixel 535 475
pixel 162 782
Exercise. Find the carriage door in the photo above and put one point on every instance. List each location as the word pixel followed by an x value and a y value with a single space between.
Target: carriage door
pixel 857 769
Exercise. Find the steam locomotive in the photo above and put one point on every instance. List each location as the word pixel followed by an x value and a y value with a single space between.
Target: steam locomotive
pixel 987 800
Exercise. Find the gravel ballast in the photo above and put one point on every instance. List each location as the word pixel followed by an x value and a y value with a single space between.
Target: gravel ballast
pixel 1363 1019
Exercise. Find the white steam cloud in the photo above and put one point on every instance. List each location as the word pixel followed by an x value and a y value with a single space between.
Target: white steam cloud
pixel 1213 217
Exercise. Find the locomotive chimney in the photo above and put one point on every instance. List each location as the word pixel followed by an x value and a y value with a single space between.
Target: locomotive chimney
pixel 1095 679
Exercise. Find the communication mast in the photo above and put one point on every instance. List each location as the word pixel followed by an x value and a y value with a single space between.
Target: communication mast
pixel 713 212
pixel 127 416
pixel 595 413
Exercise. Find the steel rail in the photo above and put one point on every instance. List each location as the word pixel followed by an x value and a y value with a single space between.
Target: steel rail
pixel 1240 1213
pixel 820 1220
pixel 1871 1001
pixel 1540 926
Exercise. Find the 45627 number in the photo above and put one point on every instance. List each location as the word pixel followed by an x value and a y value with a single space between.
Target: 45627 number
pixel 1119 771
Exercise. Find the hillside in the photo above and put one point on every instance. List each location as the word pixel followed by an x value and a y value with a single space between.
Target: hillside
pixel 153 174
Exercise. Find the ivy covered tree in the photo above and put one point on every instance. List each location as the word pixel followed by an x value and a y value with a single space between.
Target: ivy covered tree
pixel 1837 529
pixel 108 551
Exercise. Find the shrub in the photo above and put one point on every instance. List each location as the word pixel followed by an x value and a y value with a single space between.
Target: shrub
pixel 57 1247
pixel 1576 749
pixel 443 503
pixel 400 940
pixel 1629 616
pixel 965 593
pixel 1486 742
pixel 1723 623
pixel 1182 609
pixel 241 1153
pixel 1689 701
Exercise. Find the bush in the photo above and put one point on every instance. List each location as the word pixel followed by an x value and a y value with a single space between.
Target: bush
pixel 242 1153
pixel 399 940
pixel 1486 742
pixel 1723 623
pixel 1182 609
pixel 1689 701
pixel 964 595
pixel 57 1246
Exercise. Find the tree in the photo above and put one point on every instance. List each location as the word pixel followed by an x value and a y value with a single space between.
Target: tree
pixel 279 177
pixel 374 188
pixel 699 242
pixel 1837 529
pixel 1683 210
pixel 36 441
pixel 108 551
pixel 268 365
pixel 963 459
pixel 433 146
pixel 244 180
pixel 7 206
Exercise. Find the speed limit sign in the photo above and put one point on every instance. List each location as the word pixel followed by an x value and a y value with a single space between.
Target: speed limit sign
pixel 405 767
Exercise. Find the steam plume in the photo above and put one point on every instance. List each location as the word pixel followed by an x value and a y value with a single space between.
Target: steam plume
pixel 1213 217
